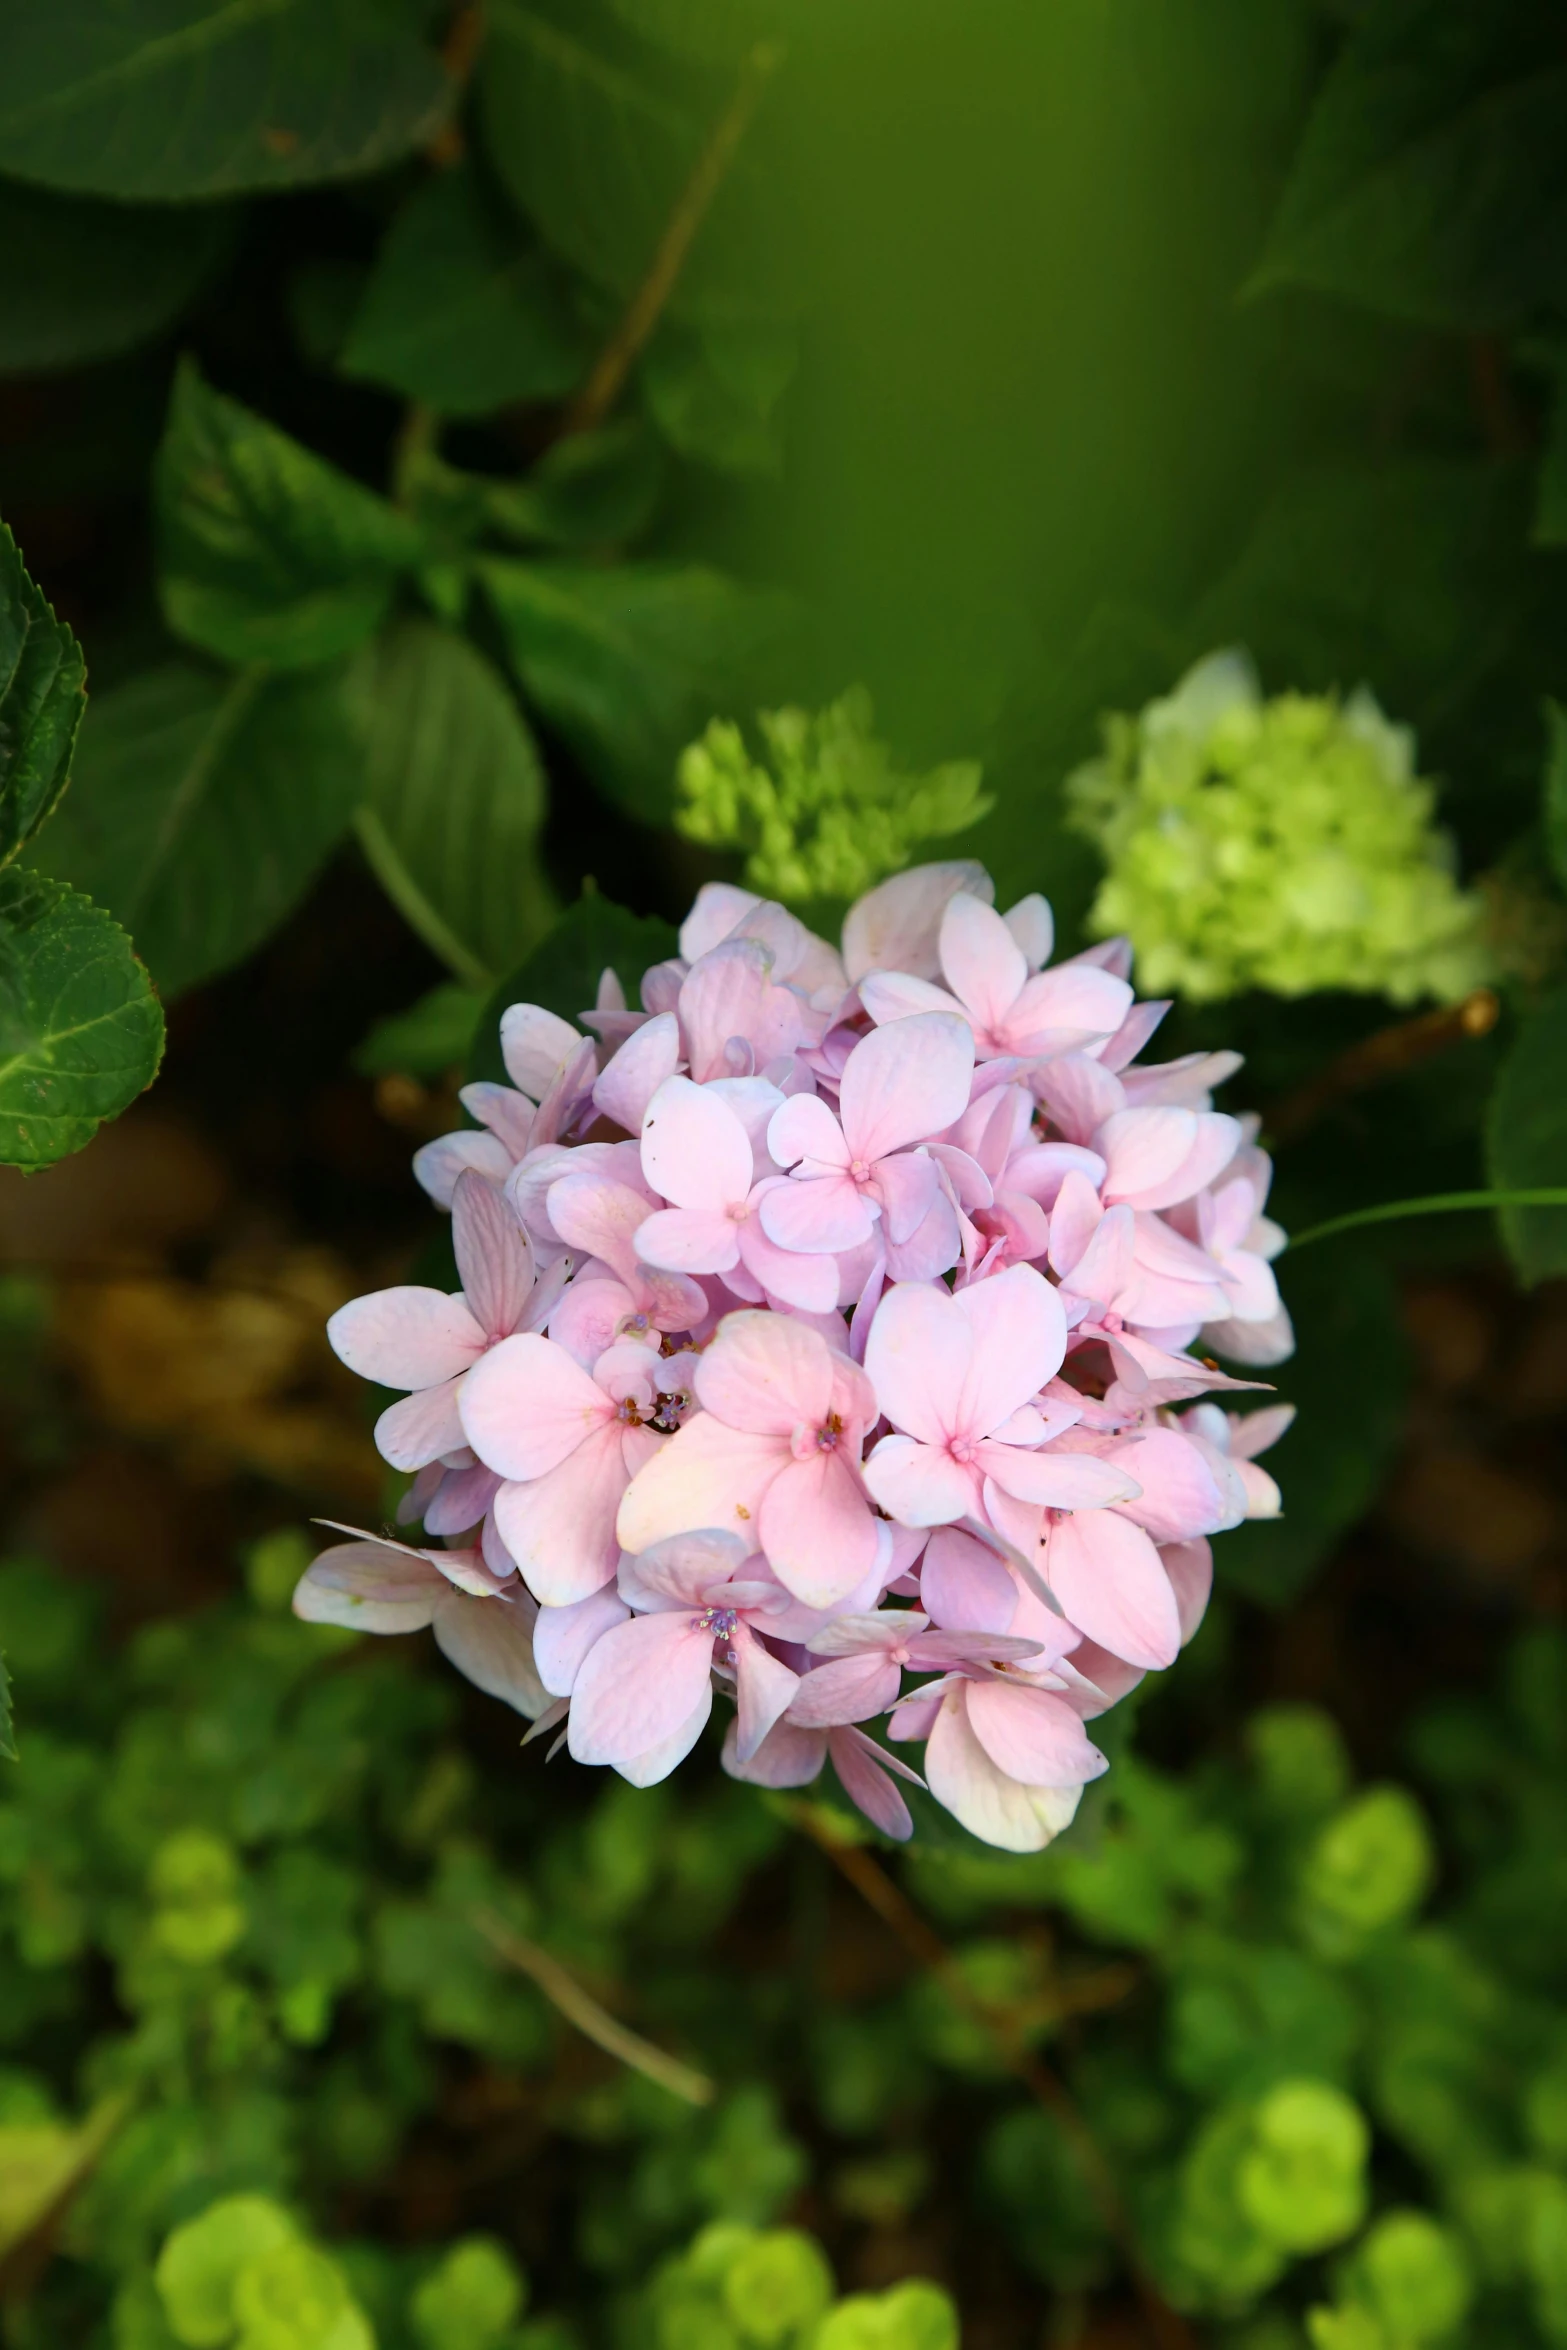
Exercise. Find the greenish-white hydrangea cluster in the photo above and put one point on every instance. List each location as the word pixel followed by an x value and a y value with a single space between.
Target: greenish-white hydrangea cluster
pixel 1285 844
pixel 828 815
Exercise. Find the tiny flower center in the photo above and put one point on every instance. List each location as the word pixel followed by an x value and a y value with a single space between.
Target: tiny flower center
pixel 963 1448
pixel 635 1326
pixel 720 1621
pixel 829 1433
pixel 860 1170
pixel 626 1412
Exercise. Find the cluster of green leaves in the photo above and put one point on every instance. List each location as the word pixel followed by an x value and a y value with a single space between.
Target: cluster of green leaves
pixel 1328 2105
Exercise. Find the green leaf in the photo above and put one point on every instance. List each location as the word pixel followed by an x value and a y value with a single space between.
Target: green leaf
pixel 592 489
pixel 714 392
pixel 1526 1137
pixel 453 801
pixel 1347 1378
pixel 1429 183
pixel 598 158
pixel 7 1718
pixel 1554 810
pixel 268 552
pixel 631 663
pixel 432 1036
pixel 563 971
pixel 42 696
pixel 459 312
pixel 81 280
pixel 203 806
pixel 81 1032
pixel 206 97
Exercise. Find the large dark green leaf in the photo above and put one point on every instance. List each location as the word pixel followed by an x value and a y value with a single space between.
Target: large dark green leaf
pixel 81 280
pixel 202 806
pixel 268 553
pixel 164 99
pixel 453 800
pixel 631 662
pixel 564 969
pixel 1526 1137
pixel 81 1032
pixel 1347 1379
pixel 42 694
pixel 598 156
pixel 458 312
pixel 1431 183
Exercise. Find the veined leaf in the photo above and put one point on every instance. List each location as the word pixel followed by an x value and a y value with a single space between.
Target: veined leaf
pixel 459 312
pixel 563 971
pixel 81 1032
pixel 202 807
pixel 166 99
pixel 453 802
pixel 1526 1137
pixel 1431 182
pixel 592 489
pixel 81 280
pixel 268 552
pixel 42 695
pixel 631 662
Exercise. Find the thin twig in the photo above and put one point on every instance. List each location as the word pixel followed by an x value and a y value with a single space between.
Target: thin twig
pixel 606 377
pixel 1376 1058
pixel 459 50
pixel 1167 2329
pixel 579 2007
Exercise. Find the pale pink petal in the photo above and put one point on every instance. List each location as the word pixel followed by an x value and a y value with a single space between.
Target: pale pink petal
pixel 490 1642
pixel 1071 1000
pixel 729 994
pixel 917 1358
pixel 531 1407
pixel 1107 1575
pixel 1263 1498
pixel 590 1317
pixel 850 1689
pixel 872 1630
pixel 1017 1337
pixel 1256 1432
pixel 706 1475
pixel 991 1805
pixel 562 1636
pixel 817 1529
pixel 1189 1566
pixel 906 1186
pixel 904 1083
pixel 764 1685
pixel 897 995
pixel 422 1428
pixel 1255 1345
pixel 804 1129
pixel 1106 1268
pixel 1079 1094
pixel 719 906
pixel 1033 926
pixel 964 1587
pixel 406 1337
pixel 1058 1480
pixel 599 1217
pixel 689 1240
pixel 981 960
pixel 766 1373
pixel 787 1757
pixel 1031 1735
pixel 862 1770
pixel 639 1686
pixel 796 1279
pixel 1181 1496
pixel 507 1113
pixel 933 1247
pixel 1134 1032
pixel 919 1484
pixel 438 1164
pixel 695 1152
pixel 370 1588
pixel 822 1215
pixel 1074 1219
pixel 464 1496
pixel 560 1528
pixel 494 1256
pixel 896 926
pixel 535 1045
pixel 656 1762
pixel 693 1570
pixel 633 1075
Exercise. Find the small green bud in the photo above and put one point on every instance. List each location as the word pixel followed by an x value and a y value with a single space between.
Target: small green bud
pixel 1371 1865
pixel 295 2298
pixel 778 2284
pixel 1345 2329
pixel 472 2300
pixel 1302 2183
pixel 1299 1757
pixel 193 1881
pixel 913 2316
pixel 1414 2276
pixel 200 2263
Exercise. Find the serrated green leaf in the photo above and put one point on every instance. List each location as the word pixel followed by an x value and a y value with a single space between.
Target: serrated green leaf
pixel 1428 184
pixel 1526 1137
pixel 598 158
pixel 1554 797
pixel 454 799
pixel 203 805
pixel 82 280
pixel 268 553
pixel 81 1032
pixel 459 312
pixel 42 696
pixel 166 99
pixel 563 971
pixel 630 663
pixel 7 1717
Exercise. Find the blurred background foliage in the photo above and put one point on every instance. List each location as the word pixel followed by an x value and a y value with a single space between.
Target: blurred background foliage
pixel 428 421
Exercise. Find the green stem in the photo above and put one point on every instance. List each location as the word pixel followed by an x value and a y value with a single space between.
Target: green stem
pixel 1441 1204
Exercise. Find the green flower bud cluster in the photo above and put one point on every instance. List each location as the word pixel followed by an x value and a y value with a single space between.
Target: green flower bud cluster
pixel 242 2277
pixel 1284 844
pixel 1263 2184
pixel 741 2288
pixel 828 815
pixel 1408 2283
